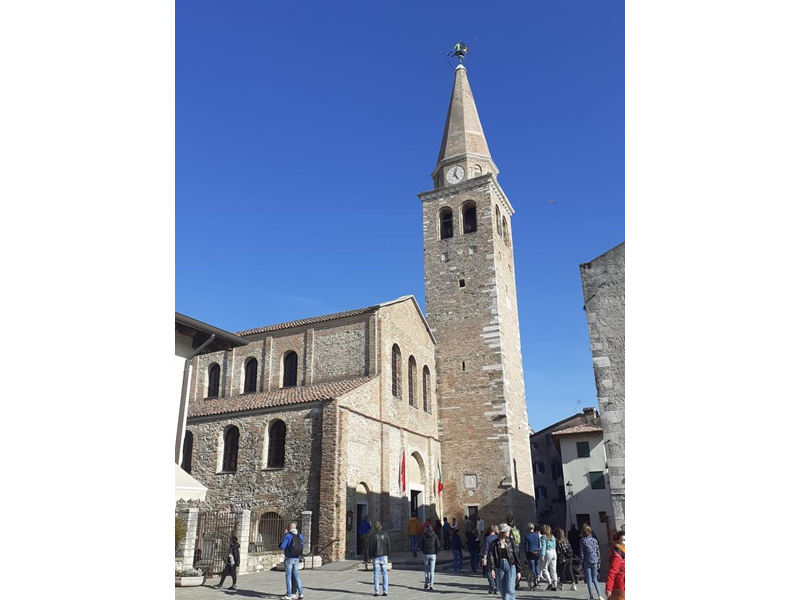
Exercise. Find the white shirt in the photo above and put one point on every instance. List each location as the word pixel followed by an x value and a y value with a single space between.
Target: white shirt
pixel 480 525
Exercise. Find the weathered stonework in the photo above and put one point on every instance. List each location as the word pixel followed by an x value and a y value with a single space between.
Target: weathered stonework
pixel 471 304
pixel 603 282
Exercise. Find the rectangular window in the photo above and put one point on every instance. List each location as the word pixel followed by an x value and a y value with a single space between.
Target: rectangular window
pixel 583 449
pixel 561 495
pixel 535 445
pixel 539 467
pixel 603 516
pixel 597 480
pixel 554 468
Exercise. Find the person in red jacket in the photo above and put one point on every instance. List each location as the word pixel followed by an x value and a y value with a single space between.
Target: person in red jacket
pixel 615 580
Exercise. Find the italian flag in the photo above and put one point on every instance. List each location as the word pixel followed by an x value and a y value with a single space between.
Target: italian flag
pixel 440 486
pixel 403 472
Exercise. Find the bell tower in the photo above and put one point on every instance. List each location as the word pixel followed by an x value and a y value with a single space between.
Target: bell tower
pixel 471 305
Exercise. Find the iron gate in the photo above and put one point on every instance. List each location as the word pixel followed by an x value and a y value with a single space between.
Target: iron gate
pixel 214 531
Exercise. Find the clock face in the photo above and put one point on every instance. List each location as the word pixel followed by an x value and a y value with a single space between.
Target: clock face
pixel 455 174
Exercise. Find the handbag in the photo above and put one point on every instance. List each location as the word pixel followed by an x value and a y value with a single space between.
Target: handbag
pixel 533 555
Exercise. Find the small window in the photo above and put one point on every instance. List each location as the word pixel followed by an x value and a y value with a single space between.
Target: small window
pixel 539 467
pixel 541 492
pixel 412 381
pixel 476 171
pixel 505 231
pixel 583 449
pixel 445 224
pixel 516 478
pixel 396 368
pixel 603 516
pixel 470 217
pixel 230 454
pixel 188 443
pixel 462 283
pixel 535 445
pixel 213 381
pixel 554 469
pixel 250 375
pixel 426 389
pixel 497 221
pixel 277 445
pixel 463 365
pixel 290 369
pixel 561 495
pixel 597 480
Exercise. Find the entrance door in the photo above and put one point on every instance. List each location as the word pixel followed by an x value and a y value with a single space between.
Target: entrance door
pixel 583 519
pixel 361 510
pixel 415 503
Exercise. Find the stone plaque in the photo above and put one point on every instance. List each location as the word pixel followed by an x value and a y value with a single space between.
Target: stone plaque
pixel 470 481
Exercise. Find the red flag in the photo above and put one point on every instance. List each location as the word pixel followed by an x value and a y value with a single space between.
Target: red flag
pixel 403 473
pixel 441 485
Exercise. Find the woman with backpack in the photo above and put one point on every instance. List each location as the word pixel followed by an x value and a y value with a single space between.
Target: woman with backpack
pixel 615 580
pixel 564 556
pixel 589 556
pixel 532 548
pixel 549 556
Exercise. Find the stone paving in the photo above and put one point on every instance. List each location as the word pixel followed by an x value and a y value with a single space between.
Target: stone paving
pixel 346 581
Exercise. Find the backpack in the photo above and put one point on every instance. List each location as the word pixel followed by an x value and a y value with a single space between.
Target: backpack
pixel 295 547
pixel 515 531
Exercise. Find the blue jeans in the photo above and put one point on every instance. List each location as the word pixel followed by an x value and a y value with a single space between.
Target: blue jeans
pixel 414 541
pixel 506 579
pixel 292 570
pixel 492 582
pixel 430 567
pixel 379 564
pixel 458 560
pixel 535 567
pixel 590 570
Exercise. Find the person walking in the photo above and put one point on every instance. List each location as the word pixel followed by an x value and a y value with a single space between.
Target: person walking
pixel 379 548
pixel 457 548
pixel 414 530
pixel 292 547
pixel 474 547
pixel 589 556
pixel 437 529
pixel 532 547
pixel 430 546
pixel 574 537
pixel 363 532
pixel 504 563
pixel 446 528
pixel 550 559
pixel 615 580
pixel 492 536
pixel 231 564
pixel 564 556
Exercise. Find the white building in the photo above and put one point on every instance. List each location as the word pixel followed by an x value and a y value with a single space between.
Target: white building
pixel 583 459
pixel 192 337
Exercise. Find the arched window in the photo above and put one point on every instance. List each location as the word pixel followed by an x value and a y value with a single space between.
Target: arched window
pixel 290 369
pixel 497 221
pixel 230 453
pixel 277 445
pixel 445 224
pixel 213 381
pixel 470 217
pixel 188 444
pixel 250 375
pixel 396 368
pixel 505 231
pixel 476 171
pixel 412 381
pixel 270 531
pixel 426 389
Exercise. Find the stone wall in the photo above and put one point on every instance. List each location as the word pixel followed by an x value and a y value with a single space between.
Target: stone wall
pixel 603 282
pixel 471 306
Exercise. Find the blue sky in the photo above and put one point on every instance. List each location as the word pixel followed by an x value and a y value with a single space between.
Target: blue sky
pixel 305 130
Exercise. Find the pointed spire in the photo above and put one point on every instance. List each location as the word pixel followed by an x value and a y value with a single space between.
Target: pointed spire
pixel 463 133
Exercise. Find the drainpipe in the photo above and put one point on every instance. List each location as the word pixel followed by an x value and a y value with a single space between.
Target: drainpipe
pixel 187 367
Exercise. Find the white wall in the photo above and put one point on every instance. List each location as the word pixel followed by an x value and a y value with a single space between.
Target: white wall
pixel 183 349
pixel 585 500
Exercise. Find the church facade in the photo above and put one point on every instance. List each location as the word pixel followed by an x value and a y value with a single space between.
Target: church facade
pixel 362 412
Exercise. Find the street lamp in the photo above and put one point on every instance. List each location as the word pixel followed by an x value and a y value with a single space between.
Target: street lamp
pixel 569 504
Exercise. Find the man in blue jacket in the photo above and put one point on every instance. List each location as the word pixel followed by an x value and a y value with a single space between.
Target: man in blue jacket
pixel 292 547
pixel 363 531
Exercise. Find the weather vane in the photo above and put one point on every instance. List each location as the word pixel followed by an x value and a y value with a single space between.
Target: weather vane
pixel 460 51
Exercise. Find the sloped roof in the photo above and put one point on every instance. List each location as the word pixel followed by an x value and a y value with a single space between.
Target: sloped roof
pixel 578 429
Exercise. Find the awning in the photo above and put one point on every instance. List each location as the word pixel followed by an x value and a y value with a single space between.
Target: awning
pixel 187 487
